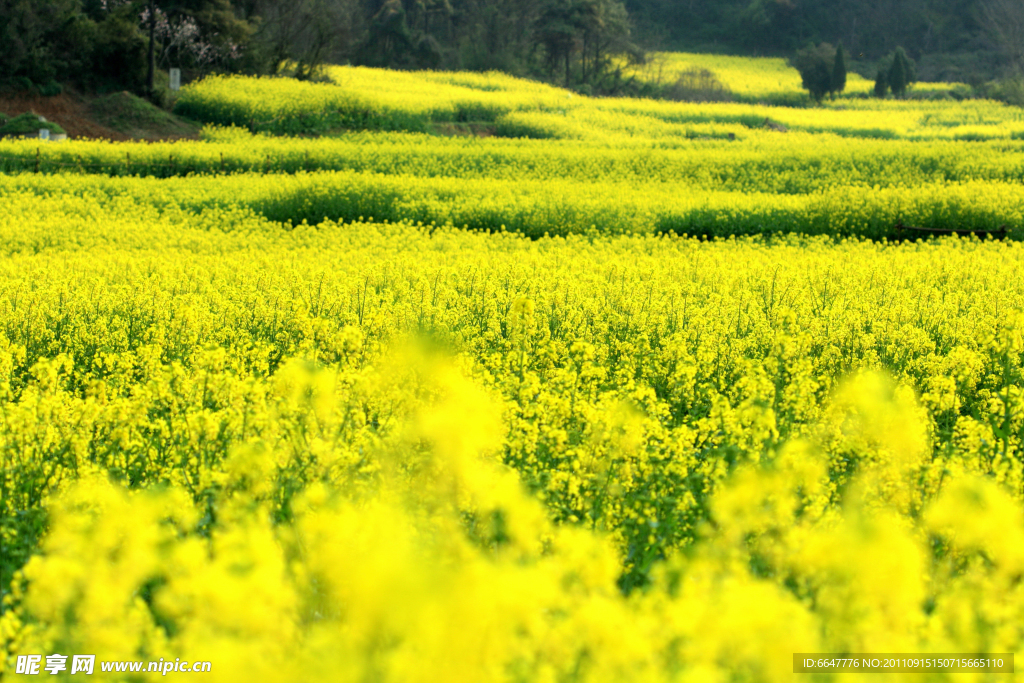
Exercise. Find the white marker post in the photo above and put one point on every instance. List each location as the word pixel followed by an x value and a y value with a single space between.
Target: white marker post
pixel 175 79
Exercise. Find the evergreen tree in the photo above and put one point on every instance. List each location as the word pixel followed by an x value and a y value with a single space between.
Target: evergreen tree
pixel 839 71
pixel 899 73
pixel 881 83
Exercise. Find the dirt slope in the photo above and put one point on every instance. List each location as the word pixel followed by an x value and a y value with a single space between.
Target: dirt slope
pixel 119 116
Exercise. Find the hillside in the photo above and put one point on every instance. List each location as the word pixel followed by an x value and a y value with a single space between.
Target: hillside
pixel 116 117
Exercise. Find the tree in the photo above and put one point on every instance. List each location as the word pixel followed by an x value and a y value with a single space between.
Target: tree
pixel 881 83
pixel 868 29
pixel 606 31
pixel 839 71
pixel 560 29
pixel 896 71
pixel 204 34
pixel 117 58
pixel 490 34
pixel 593 29
pixel 196 34
pixel 151 59
pixel 698 85
pixel 816 65
pixel 307 33
pixel 389 42
pixel 1003 21
pixel 899 73
pixel 31 37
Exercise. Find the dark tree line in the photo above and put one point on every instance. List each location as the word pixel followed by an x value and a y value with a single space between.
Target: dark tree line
pixel 570 41
pixel 117 43
pixel 951 39
pixel 106 43
pixel 578 43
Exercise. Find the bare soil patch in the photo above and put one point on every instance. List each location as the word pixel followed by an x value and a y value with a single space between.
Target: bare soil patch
pixel 118 116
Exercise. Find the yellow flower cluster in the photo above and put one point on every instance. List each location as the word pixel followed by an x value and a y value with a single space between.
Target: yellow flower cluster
pixel 752 79
pixel 747 78
pixel 361 97
pixel 299 425
pixel 559 163
pixel 379 99
pixel 394 452
pixel 557 206
pixel 665 152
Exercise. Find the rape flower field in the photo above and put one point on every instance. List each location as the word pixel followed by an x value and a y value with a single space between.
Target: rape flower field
pixel 557 163
pixel 243 424
pixel 755 80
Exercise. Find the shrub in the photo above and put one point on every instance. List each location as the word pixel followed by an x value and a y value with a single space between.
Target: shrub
pixel 699 85
pixel 17 84
pixel 1009 90
pixel 51 88
pixel 28 124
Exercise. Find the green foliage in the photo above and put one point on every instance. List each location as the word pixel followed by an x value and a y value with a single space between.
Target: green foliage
pixel 839 71
pixel 101 45
pixel 579 43
pixel 558 28
pixel 28 124
pixel 896 72
pixel 22 84
pixel 51 88
pixel 32 35
pixel 1009 90
pixel 698 85
pixel 579 38
pixel 899 73
pixel 137 117
pixel 881 83
pixel 816 67
pixel 941 29
pixel 119 56
pixel 389 42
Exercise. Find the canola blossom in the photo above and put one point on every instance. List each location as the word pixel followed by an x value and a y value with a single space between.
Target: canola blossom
pixel 550 162
pixel 754 79
pixel 537 187
pixel 266 403
pixel 379 99
pixel 634 458
pixel 554 207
